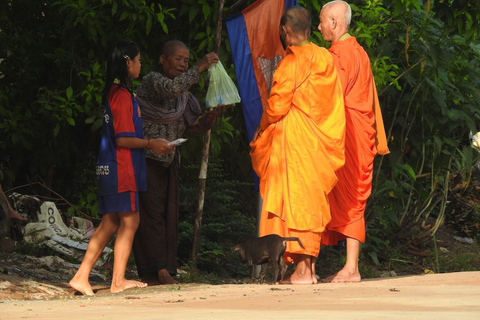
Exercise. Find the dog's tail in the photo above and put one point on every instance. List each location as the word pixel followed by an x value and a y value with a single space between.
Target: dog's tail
pixel 294 239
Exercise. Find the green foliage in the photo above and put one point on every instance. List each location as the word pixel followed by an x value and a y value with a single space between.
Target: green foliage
pixel 461 258
pixel 52 73
pixel 428 123
pixel 228 219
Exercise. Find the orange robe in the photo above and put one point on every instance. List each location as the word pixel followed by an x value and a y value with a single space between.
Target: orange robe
pixel 365 137
pixel 301 146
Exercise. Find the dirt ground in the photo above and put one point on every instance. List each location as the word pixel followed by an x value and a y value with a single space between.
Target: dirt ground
pixel 439 296
pixel 36 288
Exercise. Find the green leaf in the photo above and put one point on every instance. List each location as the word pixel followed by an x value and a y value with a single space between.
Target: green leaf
pixel 374 257
pixel 123 16
pixel 114 8
pixel 441 99
pixel 410 171
pixel 148 25
pixel 56 130
pixel 192 14
pixel 69 93
pixel 438 143
pixel 200 35
pixel 455 114
pixel 165 28
pixel 90 119
pixel 467 152
pixel 206 10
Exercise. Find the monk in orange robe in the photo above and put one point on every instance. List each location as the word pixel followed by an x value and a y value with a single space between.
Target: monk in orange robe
pixel 299 144
pixel 365 137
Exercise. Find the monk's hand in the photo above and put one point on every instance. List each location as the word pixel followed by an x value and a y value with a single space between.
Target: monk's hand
pixel 160 146
pixel 257 133
pixel 207 60
pixel 212 114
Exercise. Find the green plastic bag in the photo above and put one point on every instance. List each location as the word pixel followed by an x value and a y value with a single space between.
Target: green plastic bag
pixel 221 89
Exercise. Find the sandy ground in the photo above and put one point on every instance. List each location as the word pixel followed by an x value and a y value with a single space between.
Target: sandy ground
pixel 431 296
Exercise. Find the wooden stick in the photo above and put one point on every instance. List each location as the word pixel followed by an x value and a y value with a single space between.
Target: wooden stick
pixel 204 166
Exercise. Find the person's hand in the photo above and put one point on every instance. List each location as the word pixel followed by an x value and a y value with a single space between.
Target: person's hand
pixel 12 214
pixel 208 60
pixel 221 107
pixel 212 114
pixel 257 133
pixel 160 146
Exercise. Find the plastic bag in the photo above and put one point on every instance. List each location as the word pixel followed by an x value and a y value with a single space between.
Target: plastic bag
pixel 221 89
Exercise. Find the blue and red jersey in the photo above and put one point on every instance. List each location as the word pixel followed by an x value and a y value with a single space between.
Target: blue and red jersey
pixel 120 169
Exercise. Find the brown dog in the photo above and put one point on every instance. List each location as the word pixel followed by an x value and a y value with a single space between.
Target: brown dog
pixel 262 250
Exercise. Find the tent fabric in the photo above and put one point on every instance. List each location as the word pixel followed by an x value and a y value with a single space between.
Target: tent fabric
pixel 256 51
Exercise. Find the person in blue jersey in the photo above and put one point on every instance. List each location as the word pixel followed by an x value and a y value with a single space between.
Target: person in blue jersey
pixel 120 170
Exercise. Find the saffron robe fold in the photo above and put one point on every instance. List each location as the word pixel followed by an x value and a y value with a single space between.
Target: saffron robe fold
pixel 365 137
pixel 301 146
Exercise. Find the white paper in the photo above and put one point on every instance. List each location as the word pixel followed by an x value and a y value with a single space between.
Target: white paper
pixel 177 142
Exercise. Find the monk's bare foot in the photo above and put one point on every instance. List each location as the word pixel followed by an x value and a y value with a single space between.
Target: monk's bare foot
pixel 15 215
pixel 164 277
pixel 298 278
pixel 126 284
pixel 83 287
pixel 343 276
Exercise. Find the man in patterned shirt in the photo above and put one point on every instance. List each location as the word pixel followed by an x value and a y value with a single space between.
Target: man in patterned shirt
pixel 168 111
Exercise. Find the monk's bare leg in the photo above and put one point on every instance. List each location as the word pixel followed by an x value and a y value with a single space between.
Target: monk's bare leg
pixel 350 272
pixel 314 274
pixel 99 240
pixel 123 246
pixel 302 273
pixel 164 277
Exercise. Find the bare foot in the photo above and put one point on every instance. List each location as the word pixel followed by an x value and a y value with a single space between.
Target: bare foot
pixel 15 215
pixel 303 273
pixel 83 287
pixel 126 284
pixel 151 280
pixel 343 276
pixel 296 280
pixel 164 277
pixel 299 276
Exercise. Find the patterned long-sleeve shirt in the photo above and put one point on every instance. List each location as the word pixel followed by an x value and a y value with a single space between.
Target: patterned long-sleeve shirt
pixel 159 98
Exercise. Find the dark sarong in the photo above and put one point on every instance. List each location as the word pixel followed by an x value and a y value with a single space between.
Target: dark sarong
pixel 155 243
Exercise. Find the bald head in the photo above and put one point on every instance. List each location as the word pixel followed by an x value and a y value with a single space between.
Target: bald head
pixel 170 47
pixel 298 18
pixel 295 26
pixel 334 20
pixel 341 10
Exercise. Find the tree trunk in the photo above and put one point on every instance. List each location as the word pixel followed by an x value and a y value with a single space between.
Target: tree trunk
pixel 204 165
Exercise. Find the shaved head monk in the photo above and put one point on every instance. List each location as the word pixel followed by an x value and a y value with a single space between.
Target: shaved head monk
pixel 365 137
pixel 299 144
